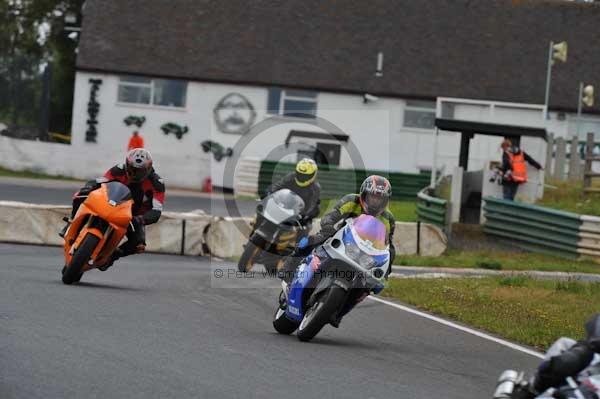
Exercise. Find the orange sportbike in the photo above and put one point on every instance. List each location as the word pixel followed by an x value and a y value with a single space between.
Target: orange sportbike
pixel 97 229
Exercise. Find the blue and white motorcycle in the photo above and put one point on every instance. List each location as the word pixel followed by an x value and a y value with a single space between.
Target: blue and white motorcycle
pixel 334 277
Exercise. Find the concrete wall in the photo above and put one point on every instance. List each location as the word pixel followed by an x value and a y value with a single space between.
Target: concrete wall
pixel 221 237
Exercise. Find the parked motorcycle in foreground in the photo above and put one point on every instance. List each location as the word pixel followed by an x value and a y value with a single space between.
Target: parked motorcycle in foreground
pixel 97 229
pixel 277 228
pixel 343 270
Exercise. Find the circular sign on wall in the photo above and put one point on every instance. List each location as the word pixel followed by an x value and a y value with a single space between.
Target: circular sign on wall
pixel 234 114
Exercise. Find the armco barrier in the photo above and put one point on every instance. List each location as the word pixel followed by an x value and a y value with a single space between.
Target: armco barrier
pixel 338 182
pixel 433 210
pixel 185 233
pixel 541 229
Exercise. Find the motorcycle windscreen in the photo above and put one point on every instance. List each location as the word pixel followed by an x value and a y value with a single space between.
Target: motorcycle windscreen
pixel 371 232
pixel 289 200
pixel 117 192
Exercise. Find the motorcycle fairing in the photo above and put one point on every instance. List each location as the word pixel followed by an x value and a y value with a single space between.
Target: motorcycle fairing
pixel 98 207
pixel 302 278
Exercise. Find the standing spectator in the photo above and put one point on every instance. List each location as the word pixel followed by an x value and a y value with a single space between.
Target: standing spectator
pixel 514 168
pixel 135 141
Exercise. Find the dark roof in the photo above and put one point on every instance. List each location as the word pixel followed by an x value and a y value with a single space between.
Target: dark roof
pixel 489 129
pixel 492 49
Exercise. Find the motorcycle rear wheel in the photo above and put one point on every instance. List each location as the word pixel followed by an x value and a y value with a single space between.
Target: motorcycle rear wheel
pixel 72 274
pixel 320 313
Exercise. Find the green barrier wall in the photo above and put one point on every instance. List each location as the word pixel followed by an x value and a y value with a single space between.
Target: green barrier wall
pixel 338 182
pixel 433 210
pixel 532 227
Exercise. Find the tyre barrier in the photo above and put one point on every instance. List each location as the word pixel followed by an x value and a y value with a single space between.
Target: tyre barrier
pixel 190 233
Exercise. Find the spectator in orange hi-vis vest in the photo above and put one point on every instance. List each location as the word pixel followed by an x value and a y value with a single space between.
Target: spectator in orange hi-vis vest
pixel 514 168
pixel 135 141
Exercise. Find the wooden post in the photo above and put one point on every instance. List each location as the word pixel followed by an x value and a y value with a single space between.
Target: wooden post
pixel 579 170
pixel 574 159
pixel 589 155
pixel 559 161
pixel 549 154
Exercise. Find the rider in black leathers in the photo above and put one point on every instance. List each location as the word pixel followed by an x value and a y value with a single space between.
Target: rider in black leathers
pixel 373 198
pixel 552 373
pixel 375 193
pixel 302 182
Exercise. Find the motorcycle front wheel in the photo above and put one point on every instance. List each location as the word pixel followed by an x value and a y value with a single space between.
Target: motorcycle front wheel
pixel 72 273
pixel 282 324
pixel 320 312
pixel 248 257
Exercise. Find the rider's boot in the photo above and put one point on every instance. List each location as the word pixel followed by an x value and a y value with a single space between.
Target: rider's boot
pixel 285 289
pixel 286 273
pixel 116 255
pixel 336 319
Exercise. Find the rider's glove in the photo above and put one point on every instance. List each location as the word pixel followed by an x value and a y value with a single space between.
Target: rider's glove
pixel 303 243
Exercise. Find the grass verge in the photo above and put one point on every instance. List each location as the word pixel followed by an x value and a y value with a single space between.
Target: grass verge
pixel 501 260
pixel 521 309
pixel 403 211
pixel 27 174
pixel 569 196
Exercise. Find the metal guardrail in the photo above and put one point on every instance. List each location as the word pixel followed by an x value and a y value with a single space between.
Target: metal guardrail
pixel 533 227
pixel 433 210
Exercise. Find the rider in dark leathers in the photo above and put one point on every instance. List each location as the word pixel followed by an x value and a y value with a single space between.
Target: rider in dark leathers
pixel 148 194
pixel 373 198
pixel 553 372
pixel 302 182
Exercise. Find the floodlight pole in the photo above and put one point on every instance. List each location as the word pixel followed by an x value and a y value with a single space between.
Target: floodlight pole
pixel 548 78
pixel 435 151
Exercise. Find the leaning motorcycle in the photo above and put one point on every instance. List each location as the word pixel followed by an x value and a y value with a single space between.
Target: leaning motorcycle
pixel 277 228
pixel 97 229
pixel 341 271
pixel 585 385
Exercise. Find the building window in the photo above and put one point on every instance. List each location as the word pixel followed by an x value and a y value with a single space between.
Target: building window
pixel 134 89
pixel 419 114
pixel 162 92
pixel 292 103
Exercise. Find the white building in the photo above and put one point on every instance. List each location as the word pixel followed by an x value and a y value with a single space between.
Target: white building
pixel 217 69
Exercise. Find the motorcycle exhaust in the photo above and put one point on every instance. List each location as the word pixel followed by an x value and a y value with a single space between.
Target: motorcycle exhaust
pixel 506 384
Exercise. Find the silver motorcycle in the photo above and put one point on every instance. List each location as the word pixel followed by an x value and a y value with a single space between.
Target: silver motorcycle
pixel 277 228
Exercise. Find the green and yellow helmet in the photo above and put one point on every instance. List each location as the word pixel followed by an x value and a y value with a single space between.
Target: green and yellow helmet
pixel 306 172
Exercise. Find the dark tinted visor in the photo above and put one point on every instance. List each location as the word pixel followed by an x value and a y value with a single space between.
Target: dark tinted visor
pixel 304 177
pixel 376 201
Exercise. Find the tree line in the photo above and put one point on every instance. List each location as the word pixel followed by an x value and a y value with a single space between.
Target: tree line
pixel 32 38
